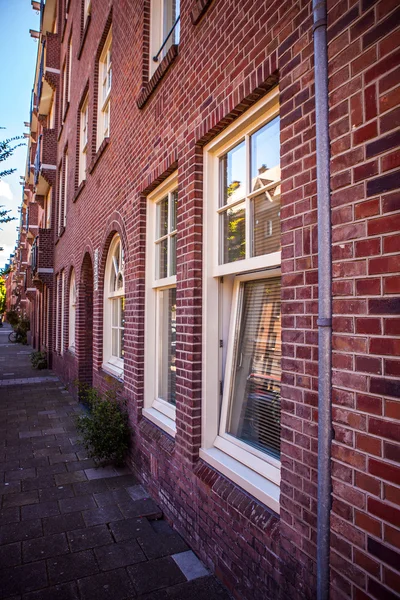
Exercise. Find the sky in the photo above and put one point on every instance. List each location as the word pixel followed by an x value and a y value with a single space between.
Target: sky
pixel 17 63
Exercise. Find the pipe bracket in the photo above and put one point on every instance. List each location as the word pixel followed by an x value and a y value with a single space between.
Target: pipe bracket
pixel 324 322
pixel 319 23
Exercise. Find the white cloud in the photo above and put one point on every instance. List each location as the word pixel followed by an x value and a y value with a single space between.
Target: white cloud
pixel 5 190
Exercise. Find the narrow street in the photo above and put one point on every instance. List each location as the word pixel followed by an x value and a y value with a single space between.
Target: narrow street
pixel 69 531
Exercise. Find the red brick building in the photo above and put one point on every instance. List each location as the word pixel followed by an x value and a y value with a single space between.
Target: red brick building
pixel 173 252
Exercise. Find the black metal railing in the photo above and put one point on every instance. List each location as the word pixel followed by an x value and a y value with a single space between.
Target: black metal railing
pixel 165 42
pixel 42 3
pixel 34 255
pixel 38 161
pixel 40 77
pixel 32 104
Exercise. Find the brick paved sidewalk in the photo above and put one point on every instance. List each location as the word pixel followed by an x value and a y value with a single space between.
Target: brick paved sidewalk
pixel 69 531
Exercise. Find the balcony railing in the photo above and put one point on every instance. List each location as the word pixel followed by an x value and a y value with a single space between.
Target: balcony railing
pixel 32 101
pixel 38 160
pixel 40 78
pixel 34 256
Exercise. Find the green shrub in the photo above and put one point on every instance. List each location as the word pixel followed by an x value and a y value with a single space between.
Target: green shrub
pixel 38 360
pixel 104 429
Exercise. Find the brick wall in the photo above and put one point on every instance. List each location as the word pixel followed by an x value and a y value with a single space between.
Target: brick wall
pixel 365 119
pixel 227 60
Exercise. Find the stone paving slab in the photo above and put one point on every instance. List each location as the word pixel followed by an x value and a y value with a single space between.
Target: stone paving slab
pixel 68 530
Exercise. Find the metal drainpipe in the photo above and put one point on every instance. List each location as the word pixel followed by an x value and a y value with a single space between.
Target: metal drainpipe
pixel 324 298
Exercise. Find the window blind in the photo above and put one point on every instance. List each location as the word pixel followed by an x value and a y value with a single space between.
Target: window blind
pixel 254 406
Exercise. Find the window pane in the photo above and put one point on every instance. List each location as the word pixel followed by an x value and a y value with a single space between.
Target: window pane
pixel 234 228
pixel 266 222
pixel 265 155
pixel 254 409
pixel 172 266
pixel 233 166
pixel 115 315
pixel 122 325
pixel 167 345
pixel 174 204
pixel 177 31
pixel 171 13
pixel 120 282
pixel 115 335
pixel 162 259
pixel 162 217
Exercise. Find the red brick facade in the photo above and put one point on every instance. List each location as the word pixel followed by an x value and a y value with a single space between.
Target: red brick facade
pixel 230 55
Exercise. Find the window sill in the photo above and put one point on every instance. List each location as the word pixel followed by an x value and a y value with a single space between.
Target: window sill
pixel 263 490
pixel 161 420
pixel 79 189
pixel 84 34
pixel 99 152
pixel 157 76
pixel 199 9
pixel 116 372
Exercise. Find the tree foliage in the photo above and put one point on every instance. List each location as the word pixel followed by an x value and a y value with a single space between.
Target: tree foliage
pixel 7 148
pixel 2 295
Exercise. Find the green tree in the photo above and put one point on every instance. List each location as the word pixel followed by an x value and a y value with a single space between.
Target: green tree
pixel 7 148
pixel 2 295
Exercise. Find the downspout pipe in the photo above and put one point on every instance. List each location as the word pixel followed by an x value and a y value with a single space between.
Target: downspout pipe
pixel 324 321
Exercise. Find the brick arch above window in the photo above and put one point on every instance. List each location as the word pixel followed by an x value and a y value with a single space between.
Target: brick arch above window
pixel 114 226
pixel 80 269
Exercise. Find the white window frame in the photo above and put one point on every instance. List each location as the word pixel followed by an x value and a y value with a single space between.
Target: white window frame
pixel 69 69
pixel 60 199
pixel 83 139
pixel 72 312
pixel 47 209
pixel 161 412
pixel 64 90
pixel 62 312
pixel 256 472
pixel 112 364
pixel 57 341
pixel 47 305
pixel 87 9
pixel 158 30
pixel 65 188
pixel 105 84
pixel 52 112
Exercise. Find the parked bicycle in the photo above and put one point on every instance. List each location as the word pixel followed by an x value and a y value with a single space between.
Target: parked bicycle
pixel 20 330
pixel 17 336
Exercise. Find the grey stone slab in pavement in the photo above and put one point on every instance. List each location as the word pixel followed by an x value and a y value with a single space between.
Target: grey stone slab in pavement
pixel 68 530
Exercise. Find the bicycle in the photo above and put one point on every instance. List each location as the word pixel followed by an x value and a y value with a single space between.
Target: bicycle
pixel 17 336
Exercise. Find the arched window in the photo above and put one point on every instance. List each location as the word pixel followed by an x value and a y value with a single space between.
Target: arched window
pixel 114 309
pixel 72 312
